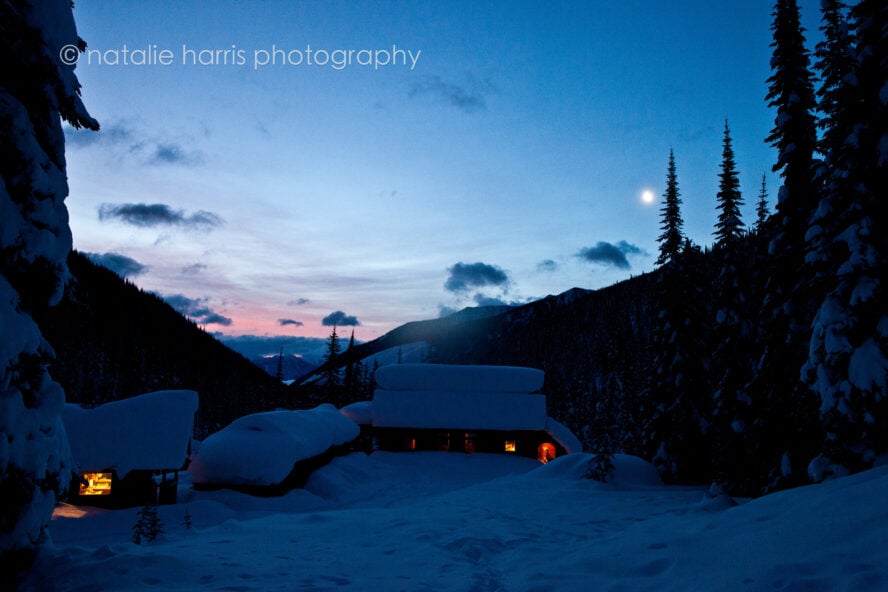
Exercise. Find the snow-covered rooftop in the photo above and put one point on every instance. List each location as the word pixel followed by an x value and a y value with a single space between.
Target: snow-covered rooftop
pixel 261 449
pixel 360 412
pixel 150 431
pixel 443 396
pixel 458 409
pixel 456 378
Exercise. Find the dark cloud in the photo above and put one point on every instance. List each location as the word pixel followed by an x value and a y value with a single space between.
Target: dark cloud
pixel 547 265
pixel 149 215
pixel 298 302
pixel 610 254
pixel 464 276
pixel 120 264
pixel 470 97
pixel 196 309
pixel 339 319
pixel 285 322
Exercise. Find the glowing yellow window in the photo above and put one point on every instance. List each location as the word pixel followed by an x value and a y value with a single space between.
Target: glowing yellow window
pixel 510 445
pixel 95 484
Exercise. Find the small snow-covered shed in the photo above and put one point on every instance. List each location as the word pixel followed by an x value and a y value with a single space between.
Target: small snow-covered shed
pixel 465 408
pixel 272 452
pixel 130 452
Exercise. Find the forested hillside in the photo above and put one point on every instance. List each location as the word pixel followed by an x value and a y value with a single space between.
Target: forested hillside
pixel 114 340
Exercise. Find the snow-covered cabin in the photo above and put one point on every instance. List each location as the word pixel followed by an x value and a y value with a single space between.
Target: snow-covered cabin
pixel 463 408
pixel 130 452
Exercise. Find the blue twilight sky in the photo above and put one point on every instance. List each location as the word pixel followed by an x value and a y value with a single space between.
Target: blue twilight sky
pixel 502 158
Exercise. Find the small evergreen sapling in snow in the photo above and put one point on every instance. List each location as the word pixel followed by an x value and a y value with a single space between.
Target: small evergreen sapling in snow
pixel 601 467
pixel 186 519
pixel 148 527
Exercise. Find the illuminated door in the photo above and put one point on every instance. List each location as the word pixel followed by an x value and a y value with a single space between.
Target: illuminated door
pixel 546 452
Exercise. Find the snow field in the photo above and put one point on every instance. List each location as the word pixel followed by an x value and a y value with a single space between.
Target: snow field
pixel 447 521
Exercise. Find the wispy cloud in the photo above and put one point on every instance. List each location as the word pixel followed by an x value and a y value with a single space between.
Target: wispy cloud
pixel 129 141
pixel 197 310
pixel 293 322
pixel 469 97
pixel 340 319
pixel 120 264
pixel 464 276
pixel 173 153
pixel 607 253
pixel 547 265
pixel 194 269
pixel 298 302
pixel 483 300
pixel 116 133
pixel 158 214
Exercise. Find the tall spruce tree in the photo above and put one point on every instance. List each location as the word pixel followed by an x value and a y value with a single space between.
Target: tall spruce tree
pixel 729 227
pixel 352 372
pixel 733 343
pixel 786 431
pixel 671 224
pixel 848 361
pixel 333 380
pixel 761 206
pixel 677 389
pixel 37 91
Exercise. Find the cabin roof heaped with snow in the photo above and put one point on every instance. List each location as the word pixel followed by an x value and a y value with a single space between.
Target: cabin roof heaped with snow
pixel 459 409
pixel 451 396
pixel 261 449
pixel 459 378
pixel 150 431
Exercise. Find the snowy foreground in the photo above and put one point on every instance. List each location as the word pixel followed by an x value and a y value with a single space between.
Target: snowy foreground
pixel 446 521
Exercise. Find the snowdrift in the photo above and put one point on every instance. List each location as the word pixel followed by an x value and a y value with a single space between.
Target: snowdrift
pixel 150 431
pixel 261 450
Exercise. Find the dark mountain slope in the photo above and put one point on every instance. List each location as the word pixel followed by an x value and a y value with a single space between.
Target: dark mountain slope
pixel 113 341
pixel 593 346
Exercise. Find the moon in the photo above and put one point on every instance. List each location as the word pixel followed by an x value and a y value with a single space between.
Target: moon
pixel 647 197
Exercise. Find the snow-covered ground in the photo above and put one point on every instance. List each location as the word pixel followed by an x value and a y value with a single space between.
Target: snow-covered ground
pixel 446 521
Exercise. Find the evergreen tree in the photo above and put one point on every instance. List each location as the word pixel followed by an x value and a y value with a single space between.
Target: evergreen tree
pixel 761 208
pixel 671 224
pixel 734 354
pixel 848 361
pixel 333 381
pixel 729 227
pixel 677 389
pixel 148 527
pixel 786 431
pixel 352 372
pixel 280 367
pixel 37 91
